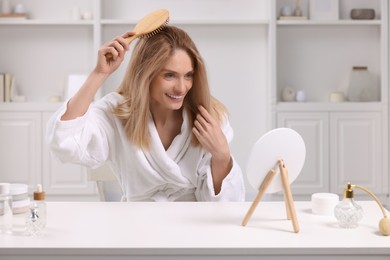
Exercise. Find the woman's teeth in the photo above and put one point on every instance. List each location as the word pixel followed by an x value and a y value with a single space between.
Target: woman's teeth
pixel 174 97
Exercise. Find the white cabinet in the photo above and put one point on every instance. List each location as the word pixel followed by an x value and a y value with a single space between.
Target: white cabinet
pixel 20 149
pixel 60 178
pixel 341 147
pixel 356 151
pixel 314 129
pixel 26 158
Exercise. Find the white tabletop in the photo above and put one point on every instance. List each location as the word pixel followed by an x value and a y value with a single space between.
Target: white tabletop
pixel 185 227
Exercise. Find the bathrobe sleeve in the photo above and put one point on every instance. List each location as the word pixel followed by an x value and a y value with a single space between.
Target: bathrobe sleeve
pixel 84 140
pixel 233 188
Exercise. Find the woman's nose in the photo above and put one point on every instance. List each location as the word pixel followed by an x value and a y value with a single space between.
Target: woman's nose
pixel 181 85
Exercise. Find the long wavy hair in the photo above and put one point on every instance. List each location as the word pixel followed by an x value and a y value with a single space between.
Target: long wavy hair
pixel 148 58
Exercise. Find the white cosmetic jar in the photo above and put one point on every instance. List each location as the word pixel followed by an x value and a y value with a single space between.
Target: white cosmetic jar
pixel 324 203
pixel 20 199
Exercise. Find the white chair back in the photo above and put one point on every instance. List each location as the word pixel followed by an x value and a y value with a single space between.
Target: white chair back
pixel 107 184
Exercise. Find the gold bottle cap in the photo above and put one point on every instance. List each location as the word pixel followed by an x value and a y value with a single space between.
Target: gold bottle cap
pixel 348 191
pixel 39 194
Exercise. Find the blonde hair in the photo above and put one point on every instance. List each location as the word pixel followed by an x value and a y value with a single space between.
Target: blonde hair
pixel 148 59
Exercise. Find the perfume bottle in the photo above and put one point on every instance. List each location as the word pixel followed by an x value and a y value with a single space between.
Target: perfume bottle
pixel 6 215
pixel 36 219
pixel 347 212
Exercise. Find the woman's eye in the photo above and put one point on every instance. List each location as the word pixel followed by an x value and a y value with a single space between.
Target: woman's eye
pixel 189 75
pixel 169 75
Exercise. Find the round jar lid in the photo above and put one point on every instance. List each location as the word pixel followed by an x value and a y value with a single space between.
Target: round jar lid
pixel 4 188
pixel 324 197
pixel 18 188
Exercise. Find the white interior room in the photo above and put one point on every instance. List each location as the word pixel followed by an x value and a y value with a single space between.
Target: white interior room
pixel 271 68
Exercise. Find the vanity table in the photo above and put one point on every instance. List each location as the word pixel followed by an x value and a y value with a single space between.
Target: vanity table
pixel 193 230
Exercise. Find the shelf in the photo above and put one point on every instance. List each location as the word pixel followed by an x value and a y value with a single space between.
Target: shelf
pixel 29 106
pixel 221 22
pixel 328 106
pixel 190 22
pixel 337 22
pixel 45 22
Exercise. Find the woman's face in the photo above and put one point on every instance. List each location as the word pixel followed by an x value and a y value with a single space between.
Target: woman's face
pixel 169 88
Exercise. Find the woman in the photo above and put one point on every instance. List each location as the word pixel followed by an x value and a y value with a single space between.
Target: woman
pixel 163 135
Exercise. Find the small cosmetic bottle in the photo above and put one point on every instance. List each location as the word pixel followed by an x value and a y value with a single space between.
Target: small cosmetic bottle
pixel 6 215
pixel 36 218
pixel 348 213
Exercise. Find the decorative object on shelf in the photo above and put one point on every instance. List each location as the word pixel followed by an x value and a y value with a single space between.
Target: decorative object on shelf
pixel 87 15
pixel 324 9
pixel 336 97
pixel 6 8
pixel 13 90
pixel 54 99
pixel 7 87
pixel 280 150
pixel 20 9
pixel 300 96
pixel 287 13
pixel 75 14
pixel 288 94
pixel 362 14
pixel 324 203
pixel 298 9
pixel 362 85
pixel 19 99
pixel 349 213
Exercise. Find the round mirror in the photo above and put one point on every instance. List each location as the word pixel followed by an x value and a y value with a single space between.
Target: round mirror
pixel 278 144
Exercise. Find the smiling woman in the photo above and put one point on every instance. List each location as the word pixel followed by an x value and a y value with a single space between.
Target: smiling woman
pixel 163 134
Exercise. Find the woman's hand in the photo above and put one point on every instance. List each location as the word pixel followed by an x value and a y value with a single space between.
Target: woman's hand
pixel 111 54
pixel 211 137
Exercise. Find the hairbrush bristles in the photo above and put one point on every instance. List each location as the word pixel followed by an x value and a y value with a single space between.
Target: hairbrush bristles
pixel 156 31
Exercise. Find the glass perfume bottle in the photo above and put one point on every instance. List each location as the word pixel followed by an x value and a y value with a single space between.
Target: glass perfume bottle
pixel 36 219
pixel 6 215
pixel 347 212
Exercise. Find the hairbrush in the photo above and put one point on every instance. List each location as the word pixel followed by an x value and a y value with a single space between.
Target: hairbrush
pixel 149 25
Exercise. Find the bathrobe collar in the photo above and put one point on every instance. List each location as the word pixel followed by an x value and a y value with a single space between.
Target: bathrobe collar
pixel 166 161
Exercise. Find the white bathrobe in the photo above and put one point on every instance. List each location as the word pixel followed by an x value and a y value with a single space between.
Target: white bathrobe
pixel 182 172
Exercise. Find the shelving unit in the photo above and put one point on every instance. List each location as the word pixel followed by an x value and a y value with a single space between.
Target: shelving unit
pixel 250 54
pixel 346 141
